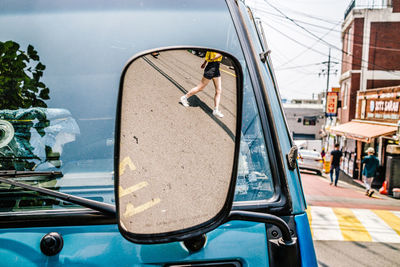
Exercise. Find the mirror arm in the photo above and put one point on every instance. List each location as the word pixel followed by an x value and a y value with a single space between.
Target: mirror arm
pixel 263 218
pixel 283 251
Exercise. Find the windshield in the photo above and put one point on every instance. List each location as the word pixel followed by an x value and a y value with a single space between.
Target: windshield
pixel 60 70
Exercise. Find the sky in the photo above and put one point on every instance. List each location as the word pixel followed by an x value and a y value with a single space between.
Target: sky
pixel 299 34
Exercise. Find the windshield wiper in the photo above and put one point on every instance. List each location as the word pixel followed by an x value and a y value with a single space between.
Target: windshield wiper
pixel 15 174
pixel 88 203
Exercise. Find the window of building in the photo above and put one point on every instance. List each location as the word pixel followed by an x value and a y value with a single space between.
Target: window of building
pixel 349 34
pixel 310 121
pixel 345 95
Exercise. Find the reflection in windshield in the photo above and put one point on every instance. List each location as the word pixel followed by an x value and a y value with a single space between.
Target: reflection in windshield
pixel 34 138
pixel 20 74
pixel 31 135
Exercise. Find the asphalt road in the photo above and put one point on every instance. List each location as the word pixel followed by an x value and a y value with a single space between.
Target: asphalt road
pixel 349 228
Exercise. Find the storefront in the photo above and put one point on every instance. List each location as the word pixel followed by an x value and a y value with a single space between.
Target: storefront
pixel 375 125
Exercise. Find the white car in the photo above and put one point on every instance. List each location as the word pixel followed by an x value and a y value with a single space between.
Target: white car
pixel 310 160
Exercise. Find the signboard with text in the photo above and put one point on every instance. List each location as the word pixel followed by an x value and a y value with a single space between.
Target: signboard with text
pixel 379 105
pixel 331 104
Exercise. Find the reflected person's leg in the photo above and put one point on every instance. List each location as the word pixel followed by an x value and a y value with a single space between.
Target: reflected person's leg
pixel 203 83
pixel 217 97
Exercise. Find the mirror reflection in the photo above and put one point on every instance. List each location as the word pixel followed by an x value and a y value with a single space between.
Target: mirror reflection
pixel 177 140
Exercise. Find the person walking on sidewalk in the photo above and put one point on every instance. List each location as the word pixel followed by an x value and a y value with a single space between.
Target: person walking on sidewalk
pixel 371 163
pixel 336 159
pixel 211 72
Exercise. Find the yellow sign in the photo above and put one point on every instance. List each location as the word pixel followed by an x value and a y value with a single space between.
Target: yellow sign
pixel 332 103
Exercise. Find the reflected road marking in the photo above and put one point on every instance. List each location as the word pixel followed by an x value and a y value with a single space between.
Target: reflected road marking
pixel 131 189
pixel 122 165
pixel 230 73
pixel 132 210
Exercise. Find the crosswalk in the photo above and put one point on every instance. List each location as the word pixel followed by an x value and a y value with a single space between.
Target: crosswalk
pixel 354 224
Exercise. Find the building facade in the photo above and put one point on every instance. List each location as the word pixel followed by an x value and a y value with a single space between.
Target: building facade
pixel 305 119
pixel 376 125
pixel 369 115
pixel 371 51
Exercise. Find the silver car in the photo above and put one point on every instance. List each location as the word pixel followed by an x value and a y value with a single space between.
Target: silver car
pixel 310 160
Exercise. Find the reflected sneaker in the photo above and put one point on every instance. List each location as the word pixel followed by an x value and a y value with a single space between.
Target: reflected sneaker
pixel 184 101
pixel 218 113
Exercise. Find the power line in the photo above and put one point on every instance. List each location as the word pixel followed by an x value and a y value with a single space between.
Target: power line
pixel 329 21
pixel 328 44
pixel 307 49
pixel 299 66
pixel 300 21
pixel 366 37
pixel 316 51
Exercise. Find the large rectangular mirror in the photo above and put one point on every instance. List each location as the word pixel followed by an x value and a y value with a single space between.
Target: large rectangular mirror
pixel 177 143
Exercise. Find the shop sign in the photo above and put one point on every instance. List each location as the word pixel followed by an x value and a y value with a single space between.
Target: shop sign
pixel 332 104
pixel 379 105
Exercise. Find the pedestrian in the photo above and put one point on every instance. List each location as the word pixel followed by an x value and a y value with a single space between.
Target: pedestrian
pixel 336 160
pixel 371 164
pixel 323 154
pixel 211 72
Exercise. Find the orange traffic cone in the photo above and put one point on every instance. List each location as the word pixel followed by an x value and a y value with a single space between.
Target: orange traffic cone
pixel 383 189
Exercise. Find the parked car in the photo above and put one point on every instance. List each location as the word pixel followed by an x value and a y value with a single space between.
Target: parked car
pixel 310 160
pixel 100 164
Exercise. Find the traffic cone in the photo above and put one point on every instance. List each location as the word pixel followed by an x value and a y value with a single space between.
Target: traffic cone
pixel 383 189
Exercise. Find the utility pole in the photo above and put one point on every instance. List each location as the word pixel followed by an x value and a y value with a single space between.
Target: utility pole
pixel 328 72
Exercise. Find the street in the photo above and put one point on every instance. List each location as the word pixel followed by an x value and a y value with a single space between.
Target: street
pixel 350 228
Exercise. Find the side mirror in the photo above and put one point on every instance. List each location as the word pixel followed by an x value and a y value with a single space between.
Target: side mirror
pixel 176 158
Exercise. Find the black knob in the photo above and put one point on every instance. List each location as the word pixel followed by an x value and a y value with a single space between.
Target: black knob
pixel 196 243
pixel 51 244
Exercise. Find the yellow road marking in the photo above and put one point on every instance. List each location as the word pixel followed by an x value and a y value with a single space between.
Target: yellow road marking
pixel 308 211
pixel 131 189
pixel 230 73
pixel 351 228
pixel 131 210
pixel 122 165
pixel 391 219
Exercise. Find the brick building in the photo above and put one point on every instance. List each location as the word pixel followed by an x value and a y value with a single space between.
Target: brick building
pixel 371 45
pixel 369 85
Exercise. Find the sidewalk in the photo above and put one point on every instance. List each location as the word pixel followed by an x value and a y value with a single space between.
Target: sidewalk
pixel 319 192
pixel 358 184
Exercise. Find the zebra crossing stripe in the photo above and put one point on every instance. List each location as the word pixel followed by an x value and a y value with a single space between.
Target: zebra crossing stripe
pixel 324 224
pixel 390 218
pixel 397 213
pixel 352 229
pixel 379 230
pixel 354 224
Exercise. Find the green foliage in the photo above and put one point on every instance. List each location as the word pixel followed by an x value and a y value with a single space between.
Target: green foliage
pixel 20 74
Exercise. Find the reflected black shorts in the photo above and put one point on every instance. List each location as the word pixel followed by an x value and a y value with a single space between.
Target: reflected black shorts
pixel 212 70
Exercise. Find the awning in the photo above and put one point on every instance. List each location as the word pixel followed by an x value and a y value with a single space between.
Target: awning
pixel 362 131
